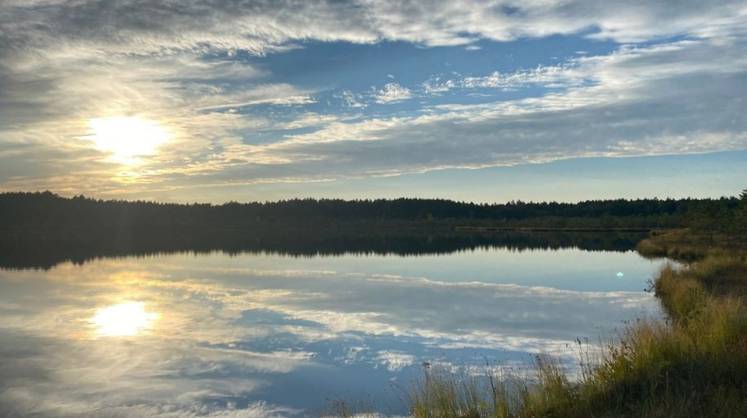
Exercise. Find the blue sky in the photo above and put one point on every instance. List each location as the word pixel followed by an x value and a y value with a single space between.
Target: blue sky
pixel 489 101
pixel 676 176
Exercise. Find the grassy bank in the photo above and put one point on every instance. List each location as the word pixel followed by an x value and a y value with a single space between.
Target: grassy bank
pixel 687 246
pixel 693 364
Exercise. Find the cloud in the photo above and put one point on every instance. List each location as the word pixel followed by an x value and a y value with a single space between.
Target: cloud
pixel 275 94
pixel 261 26
pixel 437 86
pixel 351 99
pixel 185 65
pixel 679 97
pixel 395 360
pixel 548 77
pixel 545 76
pixel 392 93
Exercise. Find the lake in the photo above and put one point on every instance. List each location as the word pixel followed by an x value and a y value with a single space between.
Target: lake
pixel 267 334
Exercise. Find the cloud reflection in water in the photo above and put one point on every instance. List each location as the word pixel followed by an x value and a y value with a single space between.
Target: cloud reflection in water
pixel 263 335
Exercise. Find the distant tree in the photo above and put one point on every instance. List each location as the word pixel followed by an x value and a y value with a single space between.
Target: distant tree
pixel 49 210
pixel 741 216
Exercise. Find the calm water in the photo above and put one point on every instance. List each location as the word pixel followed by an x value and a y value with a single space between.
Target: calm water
pixel 258 334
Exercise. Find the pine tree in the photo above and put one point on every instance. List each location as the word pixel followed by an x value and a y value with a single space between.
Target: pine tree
pixel 741 216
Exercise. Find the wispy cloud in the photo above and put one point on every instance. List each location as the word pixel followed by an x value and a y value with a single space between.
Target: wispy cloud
pixel 392 93
pixel 625 103
pixel 549 77
pixel 196 67
pixel 276 94
pixel 351 99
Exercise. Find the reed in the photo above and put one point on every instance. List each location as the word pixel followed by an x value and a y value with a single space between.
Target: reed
pixel 692 363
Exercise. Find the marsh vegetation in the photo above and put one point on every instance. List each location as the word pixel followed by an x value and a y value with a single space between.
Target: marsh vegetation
pixel 691 363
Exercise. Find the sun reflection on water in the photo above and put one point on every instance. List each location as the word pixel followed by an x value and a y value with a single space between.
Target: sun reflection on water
pixel 123 319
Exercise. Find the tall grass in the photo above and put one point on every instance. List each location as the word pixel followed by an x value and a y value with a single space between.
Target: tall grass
pixel 676 244
pixel 442 394
pixel 693 364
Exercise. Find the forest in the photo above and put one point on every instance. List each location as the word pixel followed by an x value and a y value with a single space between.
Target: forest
pixel 43 229
pixel 46 209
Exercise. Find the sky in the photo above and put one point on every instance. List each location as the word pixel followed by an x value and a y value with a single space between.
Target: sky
pixel 211 101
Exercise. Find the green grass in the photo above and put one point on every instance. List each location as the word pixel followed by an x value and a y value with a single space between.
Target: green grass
pixel 693 364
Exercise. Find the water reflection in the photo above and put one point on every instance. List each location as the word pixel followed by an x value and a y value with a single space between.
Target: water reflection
pixel 269 335
pixel 123 319
pixel 34 250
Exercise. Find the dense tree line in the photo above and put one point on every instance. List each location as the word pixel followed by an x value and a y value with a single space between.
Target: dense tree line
pixel 49 210
pixel 728 219
pixel 42 229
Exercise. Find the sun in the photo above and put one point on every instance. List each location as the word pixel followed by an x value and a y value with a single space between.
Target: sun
pixel 127 138
pixel 123 319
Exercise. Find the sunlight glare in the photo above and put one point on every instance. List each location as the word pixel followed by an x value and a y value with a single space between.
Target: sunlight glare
pixel 123 319
pixel 127 137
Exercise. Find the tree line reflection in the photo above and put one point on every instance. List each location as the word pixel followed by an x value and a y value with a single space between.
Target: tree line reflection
pixel 47 248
